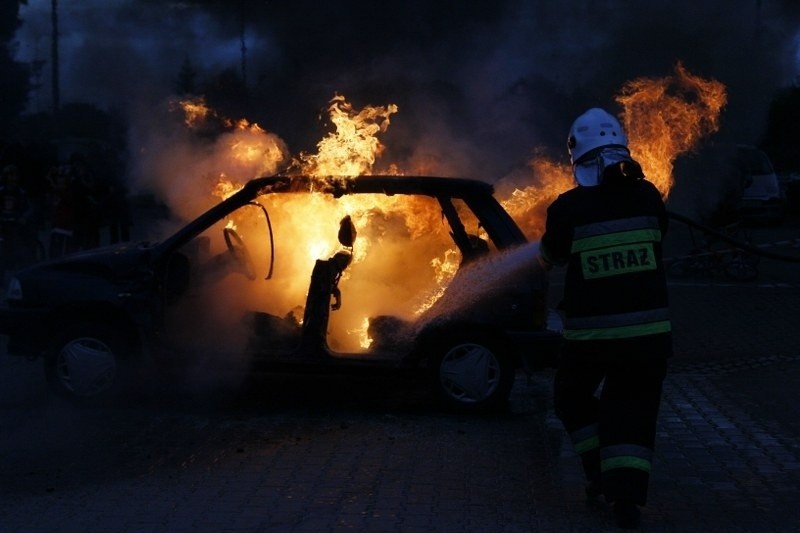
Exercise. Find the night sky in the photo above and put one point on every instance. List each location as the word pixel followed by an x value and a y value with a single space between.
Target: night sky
pixel 481 83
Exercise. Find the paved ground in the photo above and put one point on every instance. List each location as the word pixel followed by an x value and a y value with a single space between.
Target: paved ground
pixel 302 454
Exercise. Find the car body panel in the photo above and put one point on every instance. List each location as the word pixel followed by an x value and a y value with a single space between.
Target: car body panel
pixel 140 284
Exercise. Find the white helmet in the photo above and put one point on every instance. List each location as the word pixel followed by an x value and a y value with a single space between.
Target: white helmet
pixel 594 129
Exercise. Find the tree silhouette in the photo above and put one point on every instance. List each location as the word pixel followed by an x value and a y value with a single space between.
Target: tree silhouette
pixel 15 76
pixel 227 93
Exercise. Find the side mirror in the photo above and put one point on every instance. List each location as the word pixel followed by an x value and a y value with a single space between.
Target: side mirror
pixel 347 232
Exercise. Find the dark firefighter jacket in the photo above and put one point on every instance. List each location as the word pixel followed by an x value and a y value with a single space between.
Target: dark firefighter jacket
pixel 610 237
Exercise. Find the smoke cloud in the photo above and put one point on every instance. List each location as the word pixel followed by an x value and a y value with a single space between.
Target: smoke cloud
pixel 479 85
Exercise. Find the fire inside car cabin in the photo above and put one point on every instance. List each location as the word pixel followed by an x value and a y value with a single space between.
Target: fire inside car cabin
pixel 403 256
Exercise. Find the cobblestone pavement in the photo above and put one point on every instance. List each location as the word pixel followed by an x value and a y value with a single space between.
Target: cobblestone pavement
pixel 307 455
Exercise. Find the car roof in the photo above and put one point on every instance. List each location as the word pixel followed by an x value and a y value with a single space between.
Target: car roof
pixel 377 184
pixel 337 186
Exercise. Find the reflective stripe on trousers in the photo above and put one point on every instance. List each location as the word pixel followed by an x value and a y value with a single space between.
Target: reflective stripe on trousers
pixel 626 456
pixel 619 326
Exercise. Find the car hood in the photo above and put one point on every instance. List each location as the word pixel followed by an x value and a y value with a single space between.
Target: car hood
pixel 104 262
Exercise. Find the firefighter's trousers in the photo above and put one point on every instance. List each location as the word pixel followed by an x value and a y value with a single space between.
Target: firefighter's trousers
pixel 607 395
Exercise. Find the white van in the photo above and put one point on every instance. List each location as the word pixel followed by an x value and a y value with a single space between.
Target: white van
pixel 763 199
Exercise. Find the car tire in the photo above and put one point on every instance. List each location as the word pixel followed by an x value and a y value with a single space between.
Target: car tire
pixel 472 374
pixel 88 364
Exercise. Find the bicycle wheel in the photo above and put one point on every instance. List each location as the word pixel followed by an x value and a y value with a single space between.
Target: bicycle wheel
pixel 740 269
pixel 695 266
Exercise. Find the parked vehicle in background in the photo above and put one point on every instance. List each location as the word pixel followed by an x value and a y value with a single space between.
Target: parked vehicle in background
pixel 791 189
pixel 432 279
pixel 763 200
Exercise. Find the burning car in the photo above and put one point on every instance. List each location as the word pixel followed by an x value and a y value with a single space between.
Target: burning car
pixel 425 276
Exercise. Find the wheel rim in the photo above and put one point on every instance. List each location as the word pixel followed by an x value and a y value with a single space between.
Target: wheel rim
pixel 469 373
pixel 86 367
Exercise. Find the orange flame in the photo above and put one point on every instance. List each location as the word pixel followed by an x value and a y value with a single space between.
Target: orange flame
pixel 352 149
pixel 528 206
pixel 667 117
pixel 309 222
pixel 663 117
pixel 225 188
pixel 225 160
pixel 195 111
pixel 445 270
pixel 251 148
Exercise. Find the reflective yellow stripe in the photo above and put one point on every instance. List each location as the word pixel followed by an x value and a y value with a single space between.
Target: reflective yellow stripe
pixel 592 443
pixel 621 332
pixel 632 318
pixel 613 226
pixel 625 462
pixel 615 239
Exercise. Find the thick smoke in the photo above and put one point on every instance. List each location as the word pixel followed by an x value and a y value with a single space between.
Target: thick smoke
pixel 479 85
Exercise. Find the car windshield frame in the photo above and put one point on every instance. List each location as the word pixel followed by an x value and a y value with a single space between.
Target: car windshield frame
pixel 477 194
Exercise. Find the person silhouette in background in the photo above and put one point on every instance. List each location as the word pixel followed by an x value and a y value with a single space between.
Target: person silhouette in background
pixel 63 203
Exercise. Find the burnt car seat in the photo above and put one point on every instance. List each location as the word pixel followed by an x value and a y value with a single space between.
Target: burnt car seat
pixel 324 285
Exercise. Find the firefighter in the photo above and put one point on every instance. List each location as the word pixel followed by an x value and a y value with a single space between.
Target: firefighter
pixel 608 231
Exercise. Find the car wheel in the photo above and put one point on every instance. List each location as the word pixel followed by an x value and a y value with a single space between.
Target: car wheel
pixel 84 364
pixel 472 374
